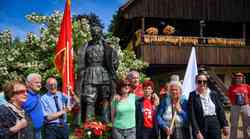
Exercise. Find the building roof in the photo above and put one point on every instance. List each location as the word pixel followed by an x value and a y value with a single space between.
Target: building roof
pixel 126 5
pixel 217 10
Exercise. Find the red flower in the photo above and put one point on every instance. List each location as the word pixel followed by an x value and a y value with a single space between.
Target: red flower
pixel 79 132
pixel 96 127
pixel 97 131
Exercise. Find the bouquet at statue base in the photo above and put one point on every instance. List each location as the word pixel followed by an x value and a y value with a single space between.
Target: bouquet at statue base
pixel 93 130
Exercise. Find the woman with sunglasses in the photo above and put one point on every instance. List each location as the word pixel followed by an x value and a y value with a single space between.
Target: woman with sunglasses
pixel 14 124
pixel 123 112
pixel 206 112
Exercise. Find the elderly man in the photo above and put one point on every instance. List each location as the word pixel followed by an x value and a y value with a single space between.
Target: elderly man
pixel 239 94
pixel 32 105
pixel 55 107
pixel 134 78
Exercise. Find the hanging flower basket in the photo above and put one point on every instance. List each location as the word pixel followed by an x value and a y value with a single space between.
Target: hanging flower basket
pixel 152 31
pixel 168 30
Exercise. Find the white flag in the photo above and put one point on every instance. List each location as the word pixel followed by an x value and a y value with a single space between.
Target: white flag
pixel 191 72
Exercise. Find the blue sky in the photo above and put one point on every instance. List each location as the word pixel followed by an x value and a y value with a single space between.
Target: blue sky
pixel 12 12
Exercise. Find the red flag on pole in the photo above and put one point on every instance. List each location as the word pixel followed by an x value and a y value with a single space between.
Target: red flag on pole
pixel 64 52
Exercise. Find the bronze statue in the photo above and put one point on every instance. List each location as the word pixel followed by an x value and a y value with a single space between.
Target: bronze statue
pixel 98 65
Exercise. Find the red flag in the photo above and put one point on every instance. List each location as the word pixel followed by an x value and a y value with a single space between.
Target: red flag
pixel 64 52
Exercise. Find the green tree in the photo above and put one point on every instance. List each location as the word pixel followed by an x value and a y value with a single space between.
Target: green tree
pixel 36 53
pixel 122 28
pixel 127 58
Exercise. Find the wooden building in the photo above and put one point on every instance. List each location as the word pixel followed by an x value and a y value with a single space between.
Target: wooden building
pixel 162 33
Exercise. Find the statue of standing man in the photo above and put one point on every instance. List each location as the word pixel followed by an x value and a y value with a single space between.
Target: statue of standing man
pixel 98 65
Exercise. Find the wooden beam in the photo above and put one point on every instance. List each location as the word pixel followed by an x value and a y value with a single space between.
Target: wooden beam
pixel 244 31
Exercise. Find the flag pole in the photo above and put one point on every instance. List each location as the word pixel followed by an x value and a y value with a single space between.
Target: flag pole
pixel 189 78
pixel 67 64
pixel 67 55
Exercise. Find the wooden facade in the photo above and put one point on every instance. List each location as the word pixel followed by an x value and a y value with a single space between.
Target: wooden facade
pixel 225 39
pixel 210 56
pixel 216 10
pixel 218 29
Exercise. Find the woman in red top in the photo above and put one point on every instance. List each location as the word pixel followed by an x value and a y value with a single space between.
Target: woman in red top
pixel 146 126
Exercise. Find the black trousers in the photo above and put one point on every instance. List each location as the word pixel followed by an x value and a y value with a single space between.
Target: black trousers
pixel 146 133
pixel 55 131
pixel 212 128
pixel 178 133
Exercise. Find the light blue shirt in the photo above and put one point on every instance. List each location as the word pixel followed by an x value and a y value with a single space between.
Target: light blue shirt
pixel 2 99
pixel 164 113
pixel 49 106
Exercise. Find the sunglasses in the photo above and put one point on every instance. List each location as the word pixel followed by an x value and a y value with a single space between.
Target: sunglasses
pixel 135 77
pixel 20 91
pixel 202 81
pixel 126 85
pixel 52 85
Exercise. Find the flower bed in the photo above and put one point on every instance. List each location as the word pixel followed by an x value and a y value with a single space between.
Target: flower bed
pixel 93 130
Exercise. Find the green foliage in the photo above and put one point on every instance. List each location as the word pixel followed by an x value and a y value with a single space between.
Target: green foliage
pixel 5 38
pixel 127 58
pixel 36 53
pixel 121 28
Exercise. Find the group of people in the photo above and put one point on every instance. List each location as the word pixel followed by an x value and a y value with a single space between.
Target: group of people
pixel 138 113
pixel 25 112
pixel 136 110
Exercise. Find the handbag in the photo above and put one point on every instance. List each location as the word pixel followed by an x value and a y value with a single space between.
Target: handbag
pixel 240 99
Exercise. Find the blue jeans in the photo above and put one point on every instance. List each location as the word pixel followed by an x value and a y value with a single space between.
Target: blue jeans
pixel 55 131
pixel 38 134
pixel 124 133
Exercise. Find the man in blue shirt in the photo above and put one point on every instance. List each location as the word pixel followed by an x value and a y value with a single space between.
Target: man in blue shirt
pixel 55 107
pixel 32 105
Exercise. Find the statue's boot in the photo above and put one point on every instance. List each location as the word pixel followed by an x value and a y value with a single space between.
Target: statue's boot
pixel 90 112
